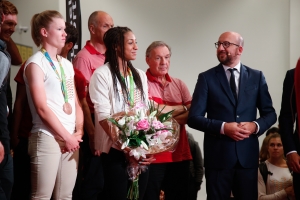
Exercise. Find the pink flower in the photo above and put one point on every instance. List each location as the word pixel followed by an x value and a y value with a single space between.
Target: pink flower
pixel 157 124
pixel 142 125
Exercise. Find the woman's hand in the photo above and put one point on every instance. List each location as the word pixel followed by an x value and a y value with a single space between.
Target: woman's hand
pixel 71 144
pixel 148 160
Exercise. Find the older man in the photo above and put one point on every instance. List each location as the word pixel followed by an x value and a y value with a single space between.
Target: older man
pixel 170 171
pixel 224 107
pixel 87 60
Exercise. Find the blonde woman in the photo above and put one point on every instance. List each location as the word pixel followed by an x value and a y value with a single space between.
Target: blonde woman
pixel 57 116
pixel 279 182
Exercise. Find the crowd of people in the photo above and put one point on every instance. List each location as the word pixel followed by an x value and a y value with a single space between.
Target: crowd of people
pixel 60 137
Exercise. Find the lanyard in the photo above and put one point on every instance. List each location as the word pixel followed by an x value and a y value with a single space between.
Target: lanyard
pixel 131 88
pixel 62 77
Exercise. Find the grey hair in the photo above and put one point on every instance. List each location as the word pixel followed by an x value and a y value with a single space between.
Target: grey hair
pixel 155 44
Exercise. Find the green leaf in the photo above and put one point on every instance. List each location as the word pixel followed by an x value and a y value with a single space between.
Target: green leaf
pixel 164 117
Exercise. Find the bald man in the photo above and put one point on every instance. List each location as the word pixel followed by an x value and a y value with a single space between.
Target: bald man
pixel 224 106
pixel 87 61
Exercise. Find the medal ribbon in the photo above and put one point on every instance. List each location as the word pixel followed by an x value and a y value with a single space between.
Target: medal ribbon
pixel 131 88
pixel 62 72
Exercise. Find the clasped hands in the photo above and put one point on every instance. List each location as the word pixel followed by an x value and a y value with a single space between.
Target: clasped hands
pixel 239 131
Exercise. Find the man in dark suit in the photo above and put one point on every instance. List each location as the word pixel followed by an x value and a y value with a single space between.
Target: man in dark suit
pixel 230 100
pixel 287 118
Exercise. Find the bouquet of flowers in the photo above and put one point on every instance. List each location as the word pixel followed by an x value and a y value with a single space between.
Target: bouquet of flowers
pixel 145 131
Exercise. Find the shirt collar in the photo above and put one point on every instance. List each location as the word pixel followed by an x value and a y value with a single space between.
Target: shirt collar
pixel 91 49
pixel 154 79
pixel 237 67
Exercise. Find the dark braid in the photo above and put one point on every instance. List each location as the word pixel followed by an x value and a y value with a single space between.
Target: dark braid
pixel 113 39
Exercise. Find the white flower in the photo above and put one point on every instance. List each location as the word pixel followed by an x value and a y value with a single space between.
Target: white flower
pixel 137 153
pixel 153 114
pixel 168 124
pixel 130 125
pixel 125 144
pixel 121 122
pixel 143 144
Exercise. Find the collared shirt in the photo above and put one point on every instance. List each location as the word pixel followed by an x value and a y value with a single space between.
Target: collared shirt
pixel 174 92
pixel 87 61
pixel 236 75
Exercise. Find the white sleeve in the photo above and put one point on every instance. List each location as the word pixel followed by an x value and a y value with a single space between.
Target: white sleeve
pixel 99 89
pixel 262 191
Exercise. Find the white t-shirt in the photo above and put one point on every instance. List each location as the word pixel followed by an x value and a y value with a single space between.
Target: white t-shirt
pixel 55 98
pixel 280 179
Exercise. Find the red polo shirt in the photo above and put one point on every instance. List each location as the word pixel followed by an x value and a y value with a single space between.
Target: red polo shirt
pixel 175 92
pixel 87 61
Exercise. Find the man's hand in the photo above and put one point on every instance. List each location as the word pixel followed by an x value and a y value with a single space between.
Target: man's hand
pixel 293 161
pixel 249 126
pixel 234 131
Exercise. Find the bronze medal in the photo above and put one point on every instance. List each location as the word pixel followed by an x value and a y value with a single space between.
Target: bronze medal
pixel 67 108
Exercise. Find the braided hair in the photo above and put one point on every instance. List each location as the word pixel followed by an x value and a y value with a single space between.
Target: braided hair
pixel 114 39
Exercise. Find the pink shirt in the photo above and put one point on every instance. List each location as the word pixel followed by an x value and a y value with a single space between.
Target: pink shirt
pixel 87 61
pixel 175 92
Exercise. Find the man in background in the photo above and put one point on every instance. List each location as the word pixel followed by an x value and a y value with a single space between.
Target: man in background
pixel 87 60
pixel 289 116
pixel 170 170
pixel 10 21
pixel 6 166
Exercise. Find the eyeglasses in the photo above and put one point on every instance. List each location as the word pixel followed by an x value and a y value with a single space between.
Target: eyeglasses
pixel 225 44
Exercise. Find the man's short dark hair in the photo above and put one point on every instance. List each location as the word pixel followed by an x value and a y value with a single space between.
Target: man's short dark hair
pixel 72 33
pixel 272 130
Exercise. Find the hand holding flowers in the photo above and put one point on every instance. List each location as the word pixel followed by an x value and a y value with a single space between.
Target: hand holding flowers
pixel 141 133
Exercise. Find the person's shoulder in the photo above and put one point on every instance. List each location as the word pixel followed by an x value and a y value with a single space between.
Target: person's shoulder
pixel 213 70
pixel 105 68
pixel 250 69
pixel 291 71
pixel 37 56
pixel 140 71
pixel 176 80
pixel 82 53
pixel 4 58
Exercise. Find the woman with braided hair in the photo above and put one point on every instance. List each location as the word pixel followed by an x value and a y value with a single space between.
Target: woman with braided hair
pixel 117 87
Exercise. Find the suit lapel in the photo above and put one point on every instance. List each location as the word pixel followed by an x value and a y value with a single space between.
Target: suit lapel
pixel 243 81
pixel 221 76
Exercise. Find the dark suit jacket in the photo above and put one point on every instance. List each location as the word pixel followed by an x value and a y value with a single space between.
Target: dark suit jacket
pixel 213 97
pixel 287 115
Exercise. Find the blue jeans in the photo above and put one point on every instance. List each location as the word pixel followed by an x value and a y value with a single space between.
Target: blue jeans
pixel 6 177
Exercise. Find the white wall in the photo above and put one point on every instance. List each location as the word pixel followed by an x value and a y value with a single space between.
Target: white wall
pixel 270 29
